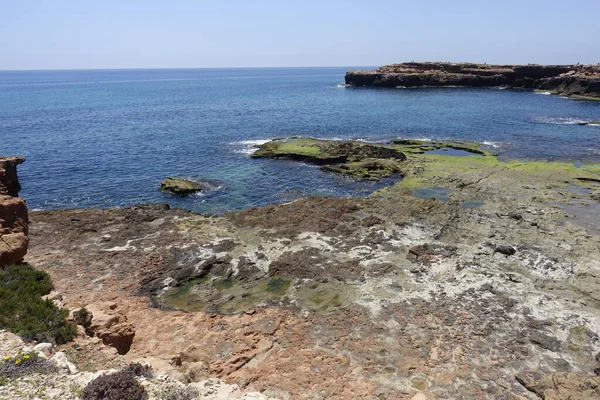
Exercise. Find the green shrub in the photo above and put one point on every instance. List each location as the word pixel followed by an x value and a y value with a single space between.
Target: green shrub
pixel 22 310
pixel 83 317
pixel 117 386
pixel 25 364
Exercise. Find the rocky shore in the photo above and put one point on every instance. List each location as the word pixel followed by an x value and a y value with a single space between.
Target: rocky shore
pixel 577 81
pixel 469 278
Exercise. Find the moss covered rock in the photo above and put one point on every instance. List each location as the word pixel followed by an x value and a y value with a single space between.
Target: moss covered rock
pixel 180 186
pixel 325 151
pixel 371 169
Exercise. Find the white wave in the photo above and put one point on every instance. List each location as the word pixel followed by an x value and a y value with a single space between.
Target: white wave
pixel 248 147
pixel 544 93
pixel 342 85
pixel 247 151
pixel 561 120
pixel 254 142
pixel 490 144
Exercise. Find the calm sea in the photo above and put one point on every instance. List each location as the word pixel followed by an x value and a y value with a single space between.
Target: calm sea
pixel 107 138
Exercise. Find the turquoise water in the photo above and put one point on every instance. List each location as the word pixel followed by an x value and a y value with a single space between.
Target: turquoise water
pixel 107 138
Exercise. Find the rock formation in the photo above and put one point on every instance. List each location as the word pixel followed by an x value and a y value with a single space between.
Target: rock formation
pixel 111 325
pixel 393 296
pixel 359 160
pixel 13 214
pixel 569 80
pixel 180 186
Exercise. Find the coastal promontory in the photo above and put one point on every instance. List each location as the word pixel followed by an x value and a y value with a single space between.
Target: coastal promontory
pixel 578 81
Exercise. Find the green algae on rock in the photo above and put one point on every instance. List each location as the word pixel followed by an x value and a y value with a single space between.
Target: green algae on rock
pixel 180 186
pixel 325 151
pixel 371 169
pixel 355 159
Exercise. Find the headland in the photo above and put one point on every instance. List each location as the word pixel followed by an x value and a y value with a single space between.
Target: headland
pixel 576 81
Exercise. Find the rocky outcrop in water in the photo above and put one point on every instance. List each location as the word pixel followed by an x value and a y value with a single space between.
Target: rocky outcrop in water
pixel 567 80
pixel 13 214
pixel 180 186
pixel 358 160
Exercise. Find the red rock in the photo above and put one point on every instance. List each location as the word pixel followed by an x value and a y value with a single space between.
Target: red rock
pixel 111 326
pixel 13 214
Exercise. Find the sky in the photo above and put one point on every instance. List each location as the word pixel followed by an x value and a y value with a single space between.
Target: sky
pixel 112 34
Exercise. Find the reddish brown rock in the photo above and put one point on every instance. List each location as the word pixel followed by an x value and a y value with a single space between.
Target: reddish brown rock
pixel 111 325
pixel 13 214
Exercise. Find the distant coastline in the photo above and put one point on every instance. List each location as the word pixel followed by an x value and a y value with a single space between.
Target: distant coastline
pixel 576 81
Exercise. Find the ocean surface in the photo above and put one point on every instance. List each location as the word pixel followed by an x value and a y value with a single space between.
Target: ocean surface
pixel 107 138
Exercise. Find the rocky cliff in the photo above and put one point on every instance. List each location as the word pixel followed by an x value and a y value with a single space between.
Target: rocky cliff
pixel 567 80
pixel 13 214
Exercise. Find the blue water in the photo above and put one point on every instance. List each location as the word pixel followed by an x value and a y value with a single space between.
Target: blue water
pixel 107 138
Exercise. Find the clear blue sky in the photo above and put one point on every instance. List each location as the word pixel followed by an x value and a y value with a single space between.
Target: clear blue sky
pixel 66 34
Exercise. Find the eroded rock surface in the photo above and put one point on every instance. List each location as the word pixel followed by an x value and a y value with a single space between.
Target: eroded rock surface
pixel 390 296
pixel 13 214
pixel 111 325
pixel 567 80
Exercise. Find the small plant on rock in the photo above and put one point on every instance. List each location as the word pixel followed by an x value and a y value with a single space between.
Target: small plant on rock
pixel 137 369
pixel 117 386
pixel 84 318
pixel 24 364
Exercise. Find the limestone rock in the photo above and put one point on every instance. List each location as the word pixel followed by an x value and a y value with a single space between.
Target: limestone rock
pixel 61 360
pixel 561 385
pixel 111 326
pixel 13 214
pixel 43 348
pixel 9 343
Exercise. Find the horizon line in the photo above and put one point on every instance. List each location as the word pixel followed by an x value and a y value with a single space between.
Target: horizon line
pixel 178 68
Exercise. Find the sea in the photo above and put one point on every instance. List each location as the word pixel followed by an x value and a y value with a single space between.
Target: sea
pixel 106 138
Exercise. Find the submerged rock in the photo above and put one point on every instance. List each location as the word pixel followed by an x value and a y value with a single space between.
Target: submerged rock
pixel 180 186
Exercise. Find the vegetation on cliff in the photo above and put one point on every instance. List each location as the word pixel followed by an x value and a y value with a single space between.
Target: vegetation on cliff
pixel 25 313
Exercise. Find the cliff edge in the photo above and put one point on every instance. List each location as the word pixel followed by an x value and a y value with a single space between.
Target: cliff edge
pixel 567 80
pixel 13 214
